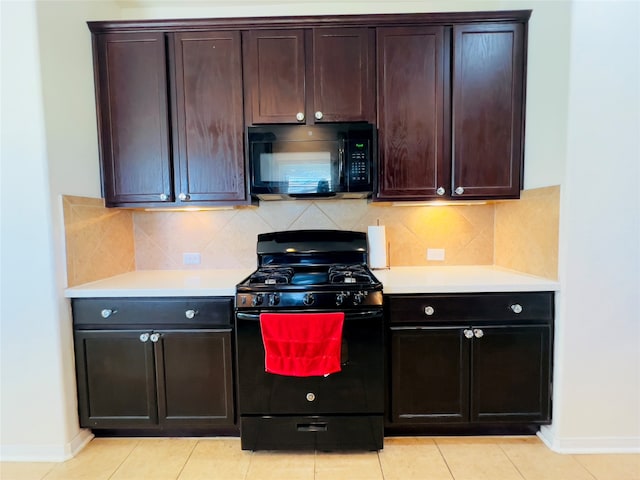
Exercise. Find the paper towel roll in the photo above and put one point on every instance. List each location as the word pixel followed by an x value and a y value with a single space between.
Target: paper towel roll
pixel 377 247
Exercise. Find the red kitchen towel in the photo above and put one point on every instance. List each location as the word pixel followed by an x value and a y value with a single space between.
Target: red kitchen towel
pixel 302 344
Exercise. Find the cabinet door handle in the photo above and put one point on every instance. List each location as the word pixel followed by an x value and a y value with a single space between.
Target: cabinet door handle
pixel 429 310
pixel 319 115
pixel 459 191
pixel 468 333
pixel 107 312
pixel 184 197
pixel 190 314
pixel 478 333
pixel 154 337
pixel 164 197
pixel 144 337
pixel 440 191
pixel 300 116
pixel 516 308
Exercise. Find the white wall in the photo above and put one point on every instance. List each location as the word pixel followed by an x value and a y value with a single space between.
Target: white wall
pixel 49 147
pixel 597 400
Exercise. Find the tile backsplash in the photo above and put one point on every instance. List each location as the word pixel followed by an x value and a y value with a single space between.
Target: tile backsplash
pixel 99 240
pixel 227 238
pixel 520 234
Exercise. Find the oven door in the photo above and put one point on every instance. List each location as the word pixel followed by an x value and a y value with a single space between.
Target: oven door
pixel 357 389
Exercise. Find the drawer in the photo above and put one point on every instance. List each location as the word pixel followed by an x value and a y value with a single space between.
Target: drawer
pixel 152 312
pixel 512 307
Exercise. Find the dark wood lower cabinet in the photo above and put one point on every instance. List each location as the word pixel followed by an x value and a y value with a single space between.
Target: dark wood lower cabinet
pixel 449 371
pixel 173 377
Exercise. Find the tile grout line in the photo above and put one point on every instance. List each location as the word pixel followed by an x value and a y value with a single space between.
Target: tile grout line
pixel 124 460
pixel 453 477
pixel 187 460
pixel 511 461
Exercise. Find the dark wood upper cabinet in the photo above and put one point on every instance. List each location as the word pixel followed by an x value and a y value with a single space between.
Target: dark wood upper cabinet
pixel 133 117
pixel 309 75
pixel 413 76
pixel 457 135
pixel 208 119
pixel 189 154
pixel 488 110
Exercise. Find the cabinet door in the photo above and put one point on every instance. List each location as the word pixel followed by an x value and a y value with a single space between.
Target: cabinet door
pixel 413 76
pixel 195 377
pixel 343 75
pixel 133 116
pixel 510 374
pixel 116 379
pixel 208 120
pixel 275 75
pixel 429 375
pixel 488 113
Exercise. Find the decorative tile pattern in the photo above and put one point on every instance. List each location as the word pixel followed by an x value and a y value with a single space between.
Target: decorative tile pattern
pixel 99 240
pixel 227 239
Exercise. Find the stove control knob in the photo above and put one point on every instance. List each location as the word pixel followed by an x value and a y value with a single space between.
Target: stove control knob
pixel 257 300
pixel 358 298
pixel 339 299
pixel 274 299
pixel 308 299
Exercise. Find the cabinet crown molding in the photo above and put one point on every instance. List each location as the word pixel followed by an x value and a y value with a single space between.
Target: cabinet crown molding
pixel 365 20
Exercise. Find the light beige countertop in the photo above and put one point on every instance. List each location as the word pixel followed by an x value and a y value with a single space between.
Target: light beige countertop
pixel 461 279
pixel 164 283
pixel 396 280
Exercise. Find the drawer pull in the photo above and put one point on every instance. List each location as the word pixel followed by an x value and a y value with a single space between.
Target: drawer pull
pixel 468 333
pixel 516 308
pixel 190 314
pixel 312 427
pixel 154 337
pixel 107 312
pixel 478 333
pixel 429 310
pixel 144 337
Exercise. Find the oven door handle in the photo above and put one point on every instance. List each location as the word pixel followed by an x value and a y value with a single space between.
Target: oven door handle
pixel 347 315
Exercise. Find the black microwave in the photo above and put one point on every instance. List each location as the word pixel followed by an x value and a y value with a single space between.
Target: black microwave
pixel 311 161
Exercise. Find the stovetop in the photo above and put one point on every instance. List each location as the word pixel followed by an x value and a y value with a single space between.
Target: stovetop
pixel 320 269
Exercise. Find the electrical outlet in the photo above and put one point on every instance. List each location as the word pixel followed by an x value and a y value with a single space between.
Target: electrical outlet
pixel 191 258
pixel 435 254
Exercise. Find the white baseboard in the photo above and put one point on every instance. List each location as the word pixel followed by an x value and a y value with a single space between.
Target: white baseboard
pixel 589 444
pixel 46 452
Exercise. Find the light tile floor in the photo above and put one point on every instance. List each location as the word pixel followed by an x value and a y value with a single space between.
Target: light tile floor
pixel 403 458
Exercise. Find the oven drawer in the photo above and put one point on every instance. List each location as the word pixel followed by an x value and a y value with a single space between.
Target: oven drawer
pixel 350 432
pixel 518 307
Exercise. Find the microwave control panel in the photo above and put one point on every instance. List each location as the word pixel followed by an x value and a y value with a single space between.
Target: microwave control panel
pixel 359 162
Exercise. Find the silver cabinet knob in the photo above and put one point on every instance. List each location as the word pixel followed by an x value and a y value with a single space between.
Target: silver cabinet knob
pixel 183 196
pixel 311 397
pixel 429 310
pixel 440 191
pixel 190 314
pixel 319 115
pixel 164 197
pixel 154 337
pixel 459 190
pixel 144 337
pixel 478 333
pixel 107 312
pixel 516 308
pixel 300 116
pixel 468 333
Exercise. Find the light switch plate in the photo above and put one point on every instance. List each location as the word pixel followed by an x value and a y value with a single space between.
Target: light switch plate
pixel 435 254
pixel 191 258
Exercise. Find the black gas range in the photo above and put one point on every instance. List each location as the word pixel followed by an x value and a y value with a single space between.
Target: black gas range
pixel 307 276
